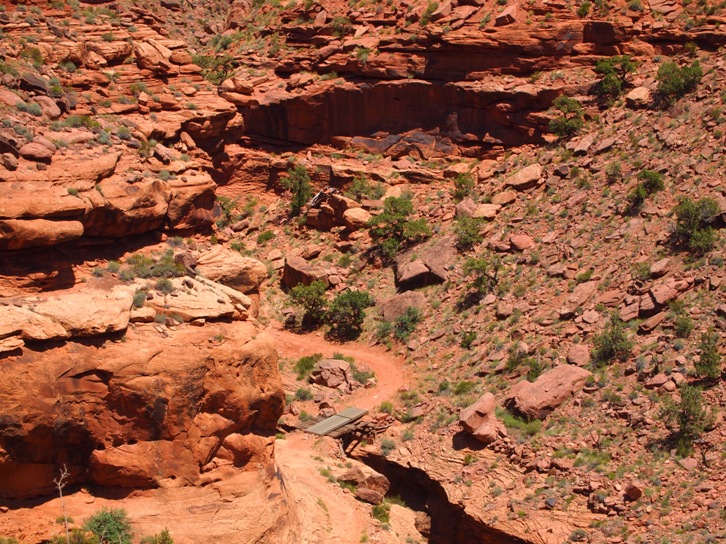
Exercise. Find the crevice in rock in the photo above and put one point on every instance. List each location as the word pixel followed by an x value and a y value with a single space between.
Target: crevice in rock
pixel 450 523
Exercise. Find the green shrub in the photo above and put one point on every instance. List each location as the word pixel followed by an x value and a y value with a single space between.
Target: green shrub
pixel 164 285
pixel 650 183
pixel 265 236
pixel 571 120
pixel 297 181
pixel 693 226
pixel 110 526
pixel 341 25
pixel 387 446
pixel 32 108
pixel 304 366
pixel 406 323
pixel 227 209
pixel 709 363
pixel 139 298
pixel 614 72
pixel 312 299
pixel 393 228
pixel 468 232
pixel 164 537
pixel 113 267
pixel 584 9
pixel 683 326
pixel 690 414
pixel 467 339
pixel 675 81
pixel 612 344
pixel 347 312
pixel 382 512
pixel 361 188
pixel 485 271
pixel 463 186
pixel 303 393
pixel 215 68
pixel 428 12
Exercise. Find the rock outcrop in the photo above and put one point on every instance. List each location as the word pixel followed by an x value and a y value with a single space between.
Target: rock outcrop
pixel 537 399
pixel 148 410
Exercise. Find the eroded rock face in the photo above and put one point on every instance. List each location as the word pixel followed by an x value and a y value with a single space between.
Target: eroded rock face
pixel 149 410
pixel 480 421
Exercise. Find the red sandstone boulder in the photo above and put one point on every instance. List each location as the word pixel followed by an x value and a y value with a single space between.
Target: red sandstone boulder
pixel 229 268
pixel 297 271
pixel 480 421
pixel 538 399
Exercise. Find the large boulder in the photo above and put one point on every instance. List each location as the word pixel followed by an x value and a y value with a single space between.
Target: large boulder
pixel 26 233
pixel 526 178
pixel 397 305
pixel 538 399
pixel 333 373
pixel 152 55
pixel 298 271
pixel 229 268
pixel 480 421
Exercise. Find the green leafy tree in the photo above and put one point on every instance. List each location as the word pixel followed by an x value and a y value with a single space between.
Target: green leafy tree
pixel 347 312
pixel 690 414
pixel 709 363
pixel 485 272
pixel 312 299
pixel 463 186
pixel 614 72
pixel 297 182
pixel 468 232
pixel 570 121
pixel 694 222
pixel 393 228
pixel 111 526
pixel 612 344
pixel 675 81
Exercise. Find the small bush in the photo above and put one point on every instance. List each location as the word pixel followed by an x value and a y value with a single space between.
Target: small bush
pixel 614 72
pixel 468 232
pixel 683 326
pixel 675 81
pixel 361 188
pixel 612 344
pixel 406 323
pixel 485 271
pixel 312 299
pixel 694 224
pixel 584 9
pixel 382 512
pixel 571 121
pixel 110 526
pixel 32 108
pixel 387 446
pixel 463 186
pixel 393 228
pixel 690 414
pixel 139 298
pixel 303 393
pixel 304 366
pixel 164 537
pixel 297 182
pixel 265 236
pixel 347 312
pixel 709 363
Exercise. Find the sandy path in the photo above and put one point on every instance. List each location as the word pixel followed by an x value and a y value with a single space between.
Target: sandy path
pixel 391 372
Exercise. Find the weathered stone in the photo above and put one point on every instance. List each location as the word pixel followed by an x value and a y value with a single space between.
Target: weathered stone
pixel 526 178
pixel 480 421
pixel 229 268
pixel 538 399
pixel 297 271
pixel 396 306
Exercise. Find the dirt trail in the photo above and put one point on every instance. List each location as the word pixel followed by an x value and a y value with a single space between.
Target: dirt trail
pixel 391 372
pixel 326 513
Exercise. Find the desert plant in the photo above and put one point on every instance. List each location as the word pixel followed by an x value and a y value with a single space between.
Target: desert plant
pixel 362 188
pixel 312 299
pixel 612 344
pixel 690 414
pixel 393 228
pixel 614 72
pixel 485 272
pixel 676 81
pixel 347 312
pixel 468 232
pixel 709 363
pixel 110 526
pixel 387 446
pixel 683 326
pixel 406 323
pixel 164 537
pixel 694 223
pixel 304 365
pixel 297 181
pixel 570 120
pixel 463 186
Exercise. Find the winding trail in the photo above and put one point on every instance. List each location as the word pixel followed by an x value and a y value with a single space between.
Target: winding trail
pixel 327 514
pixel 391 371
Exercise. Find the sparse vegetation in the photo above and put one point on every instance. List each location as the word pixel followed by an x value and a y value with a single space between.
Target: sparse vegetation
pixel 694 225
pixel 297 182
pixel 612 344
pixel 394 229
pixel 570 119
pixel 676 81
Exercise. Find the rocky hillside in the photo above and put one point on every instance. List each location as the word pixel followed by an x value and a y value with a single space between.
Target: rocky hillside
pixel 534 207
